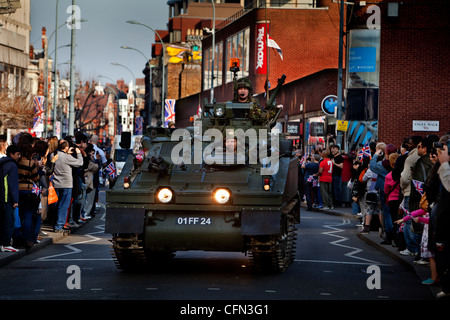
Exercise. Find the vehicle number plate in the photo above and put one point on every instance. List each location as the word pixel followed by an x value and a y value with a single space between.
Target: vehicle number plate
pixel 193 221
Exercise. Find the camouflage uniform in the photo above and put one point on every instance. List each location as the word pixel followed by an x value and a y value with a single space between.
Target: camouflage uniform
pixel 257 112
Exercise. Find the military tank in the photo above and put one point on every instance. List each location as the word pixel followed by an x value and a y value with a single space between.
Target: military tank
pixel 177 194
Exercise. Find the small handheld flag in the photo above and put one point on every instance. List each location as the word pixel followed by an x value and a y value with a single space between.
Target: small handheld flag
pixel 111 170
pixel 418 185
pixel 35 189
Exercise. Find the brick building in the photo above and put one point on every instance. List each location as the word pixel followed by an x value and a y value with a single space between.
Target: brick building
pixel 182 45
pixel 394 91
pixel 307 33
pixel 414 50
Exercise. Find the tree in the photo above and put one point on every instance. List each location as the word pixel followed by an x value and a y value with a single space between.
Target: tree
pixel 16 111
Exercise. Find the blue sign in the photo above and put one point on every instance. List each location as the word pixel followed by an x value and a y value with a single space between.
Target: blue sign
pixel 362 59
pixel 329 103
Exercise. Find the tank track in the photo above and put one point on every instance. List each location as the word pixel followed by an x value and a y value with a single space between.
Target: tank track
pixel 130 255
pixel 274 253
pixel 128 251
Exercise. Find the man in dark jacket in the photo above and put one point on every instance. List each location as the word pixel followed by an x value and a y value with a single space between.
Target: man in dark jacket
pixel 9 196
pixel 420 171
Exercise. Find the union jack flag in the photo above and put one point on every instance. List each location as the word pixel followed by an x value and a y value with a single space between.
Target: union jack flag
pixel 418 185
pixel 138 128
pixel 303 159
pixel 111 170
pixel 35 189
pixel 364 152
pixel 199 111
pixel 38 118
pixel 169 111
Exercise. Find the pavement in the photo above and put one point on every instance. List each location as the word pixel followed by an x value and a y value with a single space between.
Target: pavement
pixel 421 271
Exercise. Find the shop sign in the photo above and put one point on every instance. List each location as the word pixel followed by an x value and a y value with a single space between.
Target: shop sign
pixel 293 128
pixel 261 56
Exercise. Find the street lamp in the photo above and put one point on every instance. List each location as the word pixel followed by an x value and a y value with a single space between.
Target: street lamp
pixel 213 49
pixel 46 74
pixel 116 94
pixel 121 65
pixel 340 72
pixel 163 66
pixel 72 70
pixel 151 85
pixel 130 48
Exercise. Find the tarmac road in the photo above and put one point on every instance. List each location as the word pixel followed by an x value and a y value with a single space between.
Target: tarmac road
pixel 332 263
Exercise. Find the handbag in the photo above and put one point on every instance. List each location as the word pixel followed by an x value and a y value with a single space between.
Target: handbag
pixel 372 198
pixel 52 195
pixel 416 227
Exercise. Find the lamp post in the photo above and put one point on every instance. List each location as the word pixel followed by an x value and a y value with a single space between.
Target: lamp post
pixel 72 75
pixel 213 50
pixel 149 111
pixel 130 48
pixel 46 72
pixel 121 65
pixel 116 95
pixel 163 66
pixel 340 72
pixel 55 86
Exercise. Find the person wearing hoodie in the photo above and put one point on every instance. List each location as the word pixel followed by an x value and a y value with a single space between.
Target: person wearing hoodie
pixel 9 196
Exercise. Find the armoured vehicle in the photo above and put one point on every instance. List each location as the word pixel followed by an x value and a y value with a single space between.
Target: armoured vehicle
pixel 175 198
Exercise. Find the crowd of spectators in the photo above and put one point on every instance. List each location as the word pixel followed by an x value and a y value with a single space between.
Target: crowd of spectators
pixel 30 168
pixel 407 188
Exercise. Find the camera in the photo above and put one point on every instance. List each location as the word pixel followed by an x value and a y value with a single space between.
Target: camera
pixel 36 156
pixel 440 145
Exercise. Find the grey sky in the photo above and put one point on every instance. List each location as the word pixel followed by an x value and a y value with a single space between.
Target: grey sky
pixel 100 38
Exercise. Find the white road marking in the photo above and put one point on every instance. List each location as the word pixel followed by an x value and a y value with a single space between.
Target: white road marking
pixel 341 262
pixel 352 254
pixel 75 250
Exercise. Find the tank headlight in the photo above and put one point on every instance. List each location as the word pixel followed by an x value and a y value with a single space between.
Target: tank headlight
pixel 218 112
pixel 266 184
pixel 165 195
pixel 126 182
pixel 222 196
